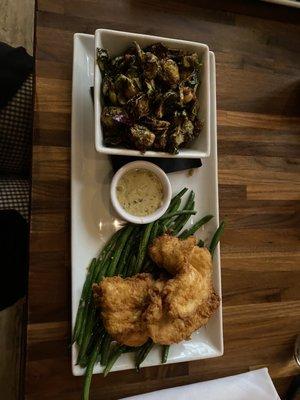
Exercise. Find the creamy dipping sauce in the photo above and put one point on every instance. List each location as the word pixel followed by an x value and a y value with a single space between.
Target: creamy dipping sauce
pixel 140 192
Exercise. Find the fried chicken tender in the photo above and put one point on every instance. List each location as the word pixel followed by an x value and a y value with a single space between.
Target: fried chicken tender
pixel 122 303
pixel 171 253
pixel 184 303
pixel 166 330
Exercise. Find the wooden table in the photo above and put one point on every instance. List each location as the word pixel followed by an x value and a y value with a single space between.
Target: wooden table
pixel 258 93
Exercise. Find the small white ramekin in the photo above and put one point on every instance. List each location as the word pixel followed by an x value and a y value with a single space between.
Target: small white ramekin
pixel 165 184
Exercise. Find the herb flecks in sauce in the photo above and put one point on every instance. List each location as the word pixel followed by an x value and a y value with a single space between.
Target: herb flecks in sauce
pixel 140 192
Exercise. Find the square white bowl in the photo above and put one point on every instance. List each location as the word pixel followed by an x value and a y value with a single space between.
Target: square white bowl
pixel 116 43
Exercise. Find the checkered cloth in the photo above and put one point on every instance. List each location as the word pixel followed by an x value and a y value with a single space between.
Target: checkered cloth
pixel 16 132
pixel 14 195
pixel 15 150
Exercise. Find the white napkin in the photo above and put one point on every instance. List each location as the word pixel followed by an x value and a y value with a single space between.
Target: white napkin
pixel 254 385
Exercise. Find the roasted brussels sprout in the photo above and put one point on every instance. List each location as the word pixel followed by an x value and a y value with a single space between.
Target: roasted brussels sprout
pixel 139 106
pixel 151 66
pixel 150 87
pixel 141 137
pixel 166 104
pixel 103 60
pixel 150 97
pixel 114 117
pixel 161 141
pixel 109 90
pixel 140 53
pixel 190 61
pixel 182 133
pixel 126 88
pixel 186 94
pixel 159 49
pixel 187 128
pixel 158 126
pixel 170 71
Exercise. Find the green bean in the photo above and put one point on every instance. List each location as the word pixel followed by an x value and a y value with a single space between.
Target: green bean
pixel 143 247
pixel 131 266
pixel 182 219
pixel 79 315
pixel 89 310
pixel 89 373
pixel 87 295
pixel 153 235
pixel 121 244
pixel 216 238
pixel 105 349
pixel 86 291
pixel 177 197
pixel 115 354
pixel 173 207
pixel 154 231
pixel 142 353
pixel 180 212
pixel 97 335
pixel 188 232
pixel 86 337
pixel 165 354
pixel 121 267
pixel 105 257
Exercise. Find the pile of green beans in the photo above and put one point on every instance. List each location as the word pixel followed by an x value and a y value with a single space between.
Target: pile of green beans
pixel 125 254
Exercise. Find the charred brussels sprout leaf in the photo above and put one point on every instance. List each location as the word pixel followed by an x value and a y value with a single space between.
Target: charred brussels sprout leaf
pixel 139 52
pixel 170 71
pixel 156 125
pixel 126 88
pixel 187 94
pixel 159 49
pixel 166 104
pixel 109 90
pixel 103 60
pixel 190 61
pixel 139 106
pixel 114 117
pixel 151 66
pixel 142 137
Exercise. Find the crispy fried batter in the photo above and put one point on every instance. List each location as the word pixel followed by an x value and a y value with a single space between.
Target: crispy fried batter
pixel 186 302
pixel 122 303
pixel 170 253
pixel 166 330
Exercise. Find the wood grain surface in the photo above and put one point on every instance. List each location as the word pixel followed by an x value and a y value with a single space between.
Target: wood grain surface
pixel 258 95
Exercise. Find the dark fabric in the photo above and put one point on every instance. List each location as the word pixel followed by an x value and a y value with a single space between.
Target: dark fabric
pixel 14 242
pixel 14 195
pixel 15 66
pixel 293 392
pixel 166 164
pixel 16 132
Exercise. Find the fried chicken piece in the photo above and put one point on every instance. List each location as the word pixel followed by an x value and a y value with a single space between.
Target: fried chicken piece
pixel 166 330
pixel 201 260
pixel 184 303
pixel 122 303
pixel 170 252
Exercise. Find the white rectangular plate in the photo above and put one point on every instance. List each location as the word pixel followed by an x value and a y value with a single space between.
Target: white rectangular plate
pixel 94 220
